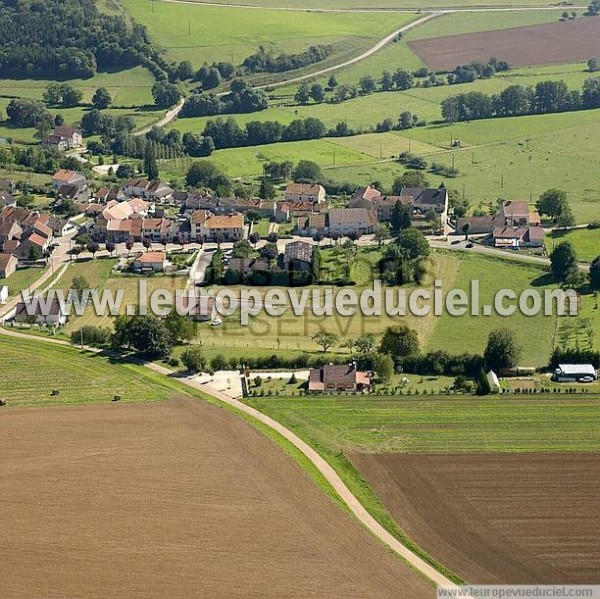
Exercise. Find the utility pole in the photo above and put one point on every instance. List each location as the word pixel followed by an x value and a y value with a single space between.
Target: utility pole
pixel 453 159
pixel 502 181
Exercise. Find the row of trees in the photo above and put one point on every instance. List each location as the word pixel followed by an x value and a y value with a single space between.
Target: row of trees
pixel 241 98
pixel 517 100
pixel 67 96
pixel 266 61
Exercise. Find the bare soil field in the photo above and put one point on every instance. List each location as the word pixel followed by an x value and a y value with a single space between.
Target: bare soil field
pixel 173 499
pixel 551 43
pixel 497 518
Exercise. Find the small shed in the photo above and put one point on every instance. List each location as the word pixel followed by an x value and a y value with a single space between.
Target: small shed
pixel 493 382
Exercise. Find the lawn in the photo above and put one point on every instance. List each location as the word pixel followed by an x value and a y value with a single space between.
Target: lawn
pixel 469 333
pixel 30 370
pixel 440 424
pixel 585 241
pixel 210 33
pixel 21 279
pixel 314 5
pixel 98 274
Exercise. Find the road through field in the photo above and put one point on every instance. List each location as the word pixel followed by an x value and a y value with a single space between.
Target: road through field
pixel 174 112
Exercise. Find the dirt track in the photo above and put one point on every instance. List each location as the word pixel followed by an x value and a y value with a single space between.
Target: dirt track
pixel 175 499
pixel 502 518
pixel 550 43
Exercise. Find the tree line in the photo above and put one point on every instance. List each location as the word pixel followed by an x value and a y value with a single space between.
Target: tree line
pixel 241 99
pixel 518 100
pixel 265 61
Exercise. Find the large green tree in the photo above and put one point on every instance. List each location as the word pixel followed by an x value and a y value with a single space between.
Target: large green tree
pixel 502 350
pixel 563 262
pixel 400 341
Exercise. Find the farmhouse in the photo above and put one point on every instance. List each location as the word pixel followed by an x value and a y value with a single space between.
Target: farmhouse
pixel 571 373
pixel 63 138
pixel 333 378
pixel 372 199
pixel 305 192
pixel 8 265
pixel 516 237
pixel 150 262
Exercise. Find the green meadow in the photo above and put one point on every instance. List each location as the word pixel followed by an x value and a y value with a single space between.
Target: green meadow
pixel 585 241
pixel 210 33
pixel 130 91
pixel 440 424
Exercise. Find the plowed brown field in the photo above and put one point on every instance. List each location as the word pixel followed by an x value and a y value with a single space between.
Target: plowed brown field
pixel 503 518
pixel 551 43
pixel 169 500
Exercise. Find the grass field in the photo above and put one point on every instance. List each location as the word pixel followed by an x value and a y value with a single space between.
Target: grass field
pixel 441 424
pixel 21 279
pixel 469 333
pixel 210 33
pixel 130 90
pixel 30 370
pixel 585 241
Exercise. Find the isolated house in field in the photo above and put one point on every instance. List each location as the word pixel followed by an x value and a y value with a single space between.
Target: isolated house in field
pixel 334 378
pixel 50 312
pixel 305 192
pixel 8 265
pixel 150 262
pixel 64 138
pixel 515 214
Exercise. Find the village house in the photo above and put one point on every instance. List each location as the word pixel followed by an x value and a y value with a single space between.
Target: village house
pixel 150 262
pixel 518 237
pixel 311 225
pixel 39 313
pixel 66 177
pixel 155 190
pixel 64 138
pixel 305 192
pixel 217 228
pixel 8 265
pixel 425 200
pixel 351 220
pixel 59 226
pixel 335 378
pixel 371 199
pixel 297 255
pixel 6 199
